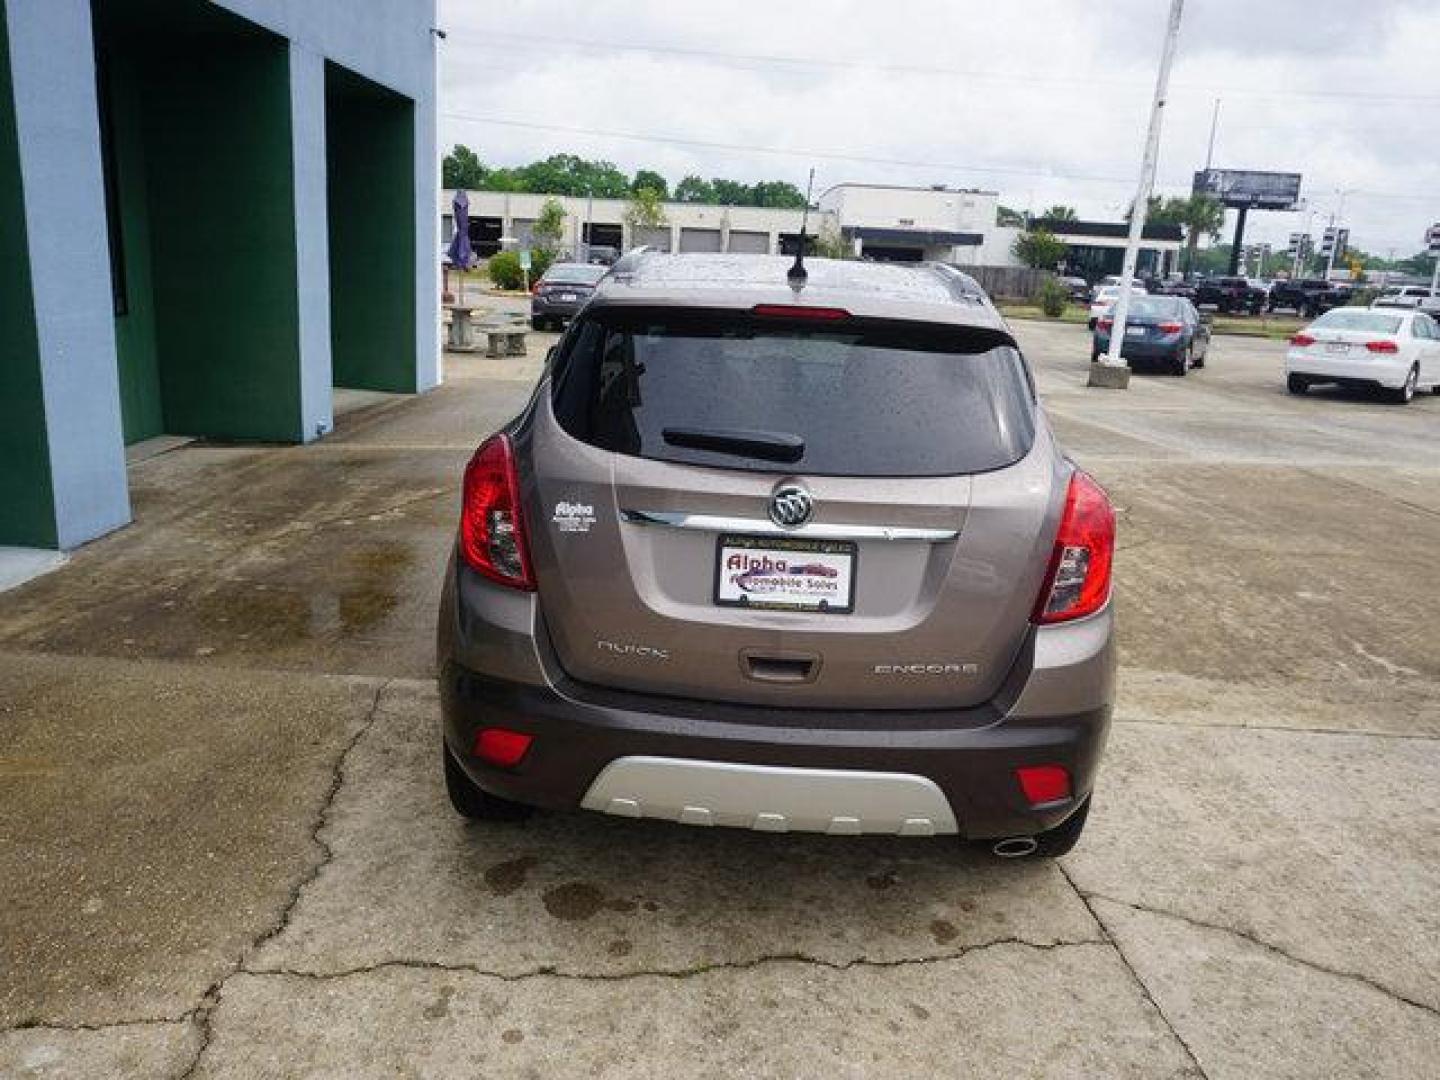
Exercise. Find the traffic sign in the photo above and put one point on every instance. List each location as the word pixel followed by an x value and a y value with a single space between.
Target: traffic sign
pixel 524 258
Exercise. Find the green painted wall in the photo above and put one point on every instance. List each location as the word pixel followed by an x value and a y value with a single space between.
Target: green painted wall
pixel 220 179
pixel 370 150
pixel 27 497
pixel 135 342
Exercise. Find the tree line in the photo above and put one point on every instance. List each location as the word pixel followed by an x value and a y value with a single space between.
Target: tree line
pixel 569 174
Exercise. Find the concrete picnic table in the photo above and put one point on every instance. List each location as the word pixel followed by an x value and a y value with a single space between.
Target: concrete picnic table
pixel 462 337
pixel 506 335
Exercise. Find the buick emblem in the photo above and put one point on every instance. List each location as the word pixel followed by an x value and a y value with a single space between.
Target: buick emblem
pixel 791 507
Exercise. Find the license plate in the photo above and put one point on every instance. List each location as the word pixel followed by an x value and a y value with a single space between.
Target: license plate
pixel 783 573
pixel 1337 347
pixel 567 297
pixel 1134 331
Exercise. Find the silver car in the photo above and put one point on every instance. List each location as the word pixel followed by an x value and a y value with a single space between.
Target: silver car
pixel 782 553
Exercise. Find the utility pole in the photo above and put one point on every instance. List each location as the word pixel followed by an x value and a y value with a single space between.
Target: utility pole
pixel 1111 372
pixel 1214 123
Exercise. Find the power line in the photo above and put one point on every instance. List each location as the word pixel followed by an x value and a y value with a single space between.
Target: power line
pixel 836 155
pixel 530 42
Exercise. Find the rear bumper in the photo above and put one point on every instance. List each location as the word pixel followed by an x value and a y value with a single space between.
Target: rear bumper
pixel 1143 350
pixel 1369 372
pixel 555 309
pixel 580 730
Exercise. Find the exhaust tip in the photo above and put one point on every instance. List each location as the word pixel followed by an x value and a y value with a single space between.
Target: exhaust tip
pixel 1015 847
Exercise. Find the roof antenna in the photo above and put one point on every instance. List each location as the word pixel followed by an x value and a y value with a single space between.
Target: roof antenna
pixel 797 273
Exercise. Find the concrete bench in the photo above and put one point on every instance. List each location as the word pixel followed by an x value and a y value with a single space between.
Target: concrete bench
pixel 505 339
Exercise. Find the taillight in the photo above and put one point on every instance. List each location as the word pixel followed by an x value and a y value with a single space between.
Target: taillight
pixel 1078 580
pixel 1104 324
pixel 492 527
pixel 799 311
pixel 1171 327
pixel 1044 783
pixel 1382 346
pixel 1302 340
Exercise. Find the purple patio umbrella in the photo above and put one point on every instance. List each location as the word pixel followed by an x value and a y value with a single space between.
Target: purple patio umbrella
pixel 460 253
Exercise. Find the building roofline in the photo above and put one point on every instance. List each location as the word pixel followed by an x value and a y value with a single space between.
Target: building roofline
pixel 909 187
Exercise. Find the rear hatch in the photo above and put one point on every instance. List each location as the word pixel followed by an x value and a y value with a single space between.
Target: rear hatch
pixel 777 510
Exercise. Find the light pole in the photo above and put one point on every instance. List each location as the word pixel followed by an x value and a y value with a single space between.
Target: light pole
pixel 1111 371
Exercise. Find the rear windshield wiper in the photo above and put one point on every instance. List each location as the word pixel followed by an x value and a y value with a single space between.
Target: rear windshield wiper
pixel 769 445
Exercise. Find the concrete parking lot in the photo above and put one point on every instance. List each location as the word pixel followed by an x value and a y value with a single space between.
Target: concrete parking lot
pixel 225 849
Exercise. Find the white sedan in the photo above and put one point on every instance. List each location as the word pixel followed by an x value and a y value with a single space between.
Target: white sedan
pixel 1106 295
pixel 1395 351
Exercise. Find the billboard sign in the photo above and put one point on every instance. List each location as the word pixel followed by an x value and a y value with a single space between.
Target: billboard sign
pixel 1253 190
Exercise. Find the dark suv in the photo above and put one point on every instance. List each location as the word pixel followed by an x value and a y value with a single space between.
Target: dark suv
pixel 1230 295
pixel 1307 297
pixel 782 553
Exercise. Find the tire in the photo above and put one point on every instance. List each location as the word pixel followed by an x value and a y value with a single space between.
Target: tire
pixel 1181 364
pixel 1196 361
pixel 470 802
pixel 1406 393
pixel 537 323
pixel 1095 359
pixel 1053 843
pixel 1297 384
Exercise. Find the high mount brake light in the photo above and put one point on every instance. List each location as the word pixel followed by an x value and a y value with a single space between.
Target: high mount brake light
pixel 1302 340
pixel 1078 580
pixel 799 311
pixel 492 526
pixel 1382 346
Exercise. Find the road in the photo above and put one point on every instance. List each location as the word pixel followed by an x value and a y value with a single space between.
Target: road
pixel 225 849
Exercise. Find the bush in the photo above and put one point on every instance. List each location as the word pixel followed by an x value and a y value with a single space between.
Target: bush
pixel 1053 298
pixel 504 268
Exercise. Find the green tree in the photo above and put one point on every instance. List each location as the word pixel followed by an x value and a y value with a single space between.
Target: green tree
pixel 1038 249
pixel 1202 215
pixel 777 193
pixel 1060 213
pixel 694 189
pixel 463 169
pixel 830 243
pixel 646 211
pixel 549 227
pixel 649 178
pixel 732 192
pixel 1009 218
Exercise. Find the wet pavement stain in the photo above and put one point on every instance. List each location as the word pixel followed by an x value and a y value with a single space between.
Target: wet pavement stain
pixel 619 947
pixel 576 901
pixel 440 1007
pixel 512 1036
pixel 506 877
pixel 880 882
pixel 943 932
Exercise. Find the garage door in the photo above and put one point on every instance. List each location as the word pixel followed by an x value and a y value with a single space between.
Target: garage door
pixel 659 239
pixel 699 239
pixel 750 243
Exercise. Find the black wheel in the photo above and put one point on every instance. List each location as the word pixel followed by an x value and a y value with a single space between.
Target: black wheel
pixel 1058 841
pixel 1406 393
pixel 1095 359
pixel 1297 384
pixel 469 801
pixel 537 323
pixel 1196 361
pixel 1181 363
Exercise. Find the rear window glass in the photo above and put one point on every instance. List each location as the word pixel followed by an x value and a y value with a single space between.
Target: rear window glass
pixel 845 399
pixel 574 275
pixel 1157 307
pixel 1373 322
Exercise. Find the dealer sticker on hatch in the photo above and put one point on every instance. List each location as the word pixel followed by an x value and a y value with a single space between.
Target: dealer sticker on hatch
pixel 785 573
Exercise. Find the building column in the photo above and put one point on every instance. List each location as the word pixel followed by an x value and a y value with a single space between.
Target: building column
pixel 62 441
pixel 312 241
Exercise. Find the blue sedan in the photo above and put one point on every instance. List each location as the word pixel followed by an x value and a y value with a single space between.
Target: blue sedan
pixel 1165 331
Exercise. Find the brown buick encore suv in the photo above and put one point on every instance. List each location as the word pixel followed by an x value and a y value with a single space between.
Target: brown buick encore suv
pixel 782 552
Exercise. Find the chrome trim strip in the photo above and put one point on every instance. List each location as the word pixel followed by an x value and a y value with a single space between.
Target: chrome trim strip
pixel 717 523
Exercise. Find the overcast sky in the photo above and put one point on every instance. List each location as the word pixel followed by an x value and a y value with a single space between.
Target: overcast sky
pixel 1043 100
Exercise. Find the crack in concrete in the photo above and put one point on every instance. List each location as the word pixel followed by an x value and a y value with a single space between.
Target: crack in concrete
pixel 109 1025
pixel 1364 733
pixel 1253 939
pixel 550 971
pixel 1135 975
pixel 203 1012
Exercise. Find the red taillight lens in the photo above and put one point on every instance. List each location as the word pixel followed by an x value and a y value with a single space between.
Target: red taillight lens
pixel 1044 783
pixel 1302 340
pixel 1104 324
pixel 492 528
pixel 501 746
pixel 799 311
pixel 1171 327
pixel 1078 581
pixel 1382 346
